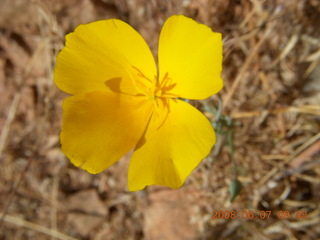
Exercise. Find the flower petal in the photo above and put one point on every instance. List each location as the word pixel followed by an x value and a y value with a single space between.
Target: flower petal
pixel 173 145
pixel 98 128
pixel 101 51
pixel 191 54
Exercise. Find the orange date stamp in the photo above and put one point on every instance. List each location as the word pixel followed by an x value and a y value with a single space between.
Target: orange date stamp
pixel 263 214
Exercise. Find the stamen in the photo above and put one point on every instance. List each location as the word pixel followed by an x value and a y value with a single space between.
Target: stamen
pixel 170 95
pixel 141 74
pixel 164 81
pixel 165 102
pixel 143 88
pixel 164 86
pixel 156 107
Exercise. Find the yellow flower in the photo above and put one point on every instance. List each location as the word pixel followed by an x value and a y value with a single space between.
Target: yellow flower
pixel 121 100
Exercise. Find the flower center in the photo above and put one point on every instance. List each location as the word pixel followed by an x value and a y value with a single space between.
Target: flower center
pixel 155 88
pixel 163 87
pixel 158 91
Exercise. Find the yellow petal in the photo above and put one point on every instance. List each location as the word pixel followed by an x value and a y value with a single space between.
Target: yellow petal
pixel 98 128
pixel 173 145
pixel 191 54
pixel 101 51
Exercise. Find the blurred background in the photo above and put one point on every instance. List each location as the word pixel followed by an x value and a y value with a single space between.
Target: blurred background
pixel 269 126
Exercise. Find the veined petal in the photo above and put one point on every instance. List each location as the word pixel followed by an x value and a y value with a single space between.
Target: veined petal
pixel 98 128
pixel 101 51
pixel 173 145
pixel 191 54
